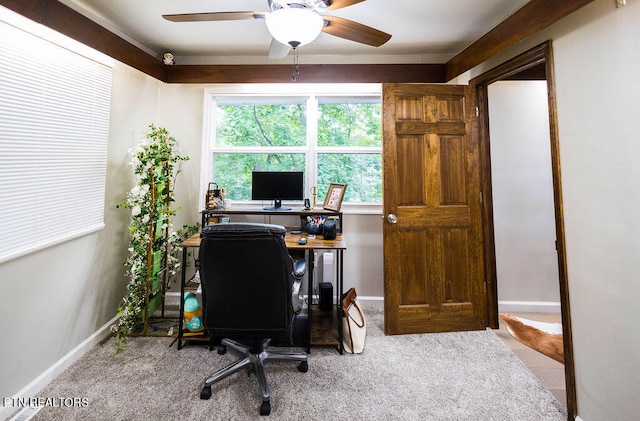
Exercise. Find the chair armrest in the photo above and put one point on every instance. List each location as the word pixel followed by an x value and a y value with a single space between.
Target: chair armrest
pixel 299 268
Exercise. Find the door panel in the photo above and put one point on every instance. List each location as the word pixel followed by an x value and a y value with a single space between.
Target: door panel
pixel 432 254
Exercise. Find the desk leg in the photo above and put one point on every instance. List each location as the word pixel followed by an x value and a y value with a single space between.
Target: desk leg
pixel 310 270
pixel 340 288
pixel 183 277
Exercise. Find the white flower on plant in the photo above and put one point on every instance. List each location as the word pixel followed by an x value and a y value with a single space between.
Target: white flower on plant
pixel 145 140
pixel 136 210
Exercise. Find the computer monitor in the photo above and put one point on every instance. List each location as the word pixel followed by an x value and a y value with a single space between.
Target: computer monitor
pixel 277 186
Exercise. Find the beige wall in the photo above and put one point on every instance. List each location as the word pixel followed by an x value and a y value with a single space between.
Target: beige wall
pixel 597 61
pixel 523 209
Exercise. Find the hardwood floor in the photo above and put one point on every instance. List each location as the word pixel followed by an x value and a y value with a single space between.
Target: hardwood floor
pixel 547 370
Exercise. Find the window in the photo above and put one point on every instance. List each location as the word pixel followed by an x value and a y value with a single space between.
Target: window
pixel 54 128
pixel 349 147
pixel 332 137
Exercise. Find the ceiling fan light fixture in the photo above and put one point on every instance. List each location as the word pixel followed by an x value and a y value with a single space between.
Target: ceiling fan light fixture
pixel 294 26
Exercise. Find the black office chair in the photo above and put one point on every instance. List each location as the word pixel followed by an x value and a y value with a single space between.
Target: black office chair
pixel 250 289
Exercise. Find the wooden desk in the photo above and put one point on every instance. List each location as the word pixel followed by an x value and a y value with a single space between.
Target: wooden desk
pixel 322 327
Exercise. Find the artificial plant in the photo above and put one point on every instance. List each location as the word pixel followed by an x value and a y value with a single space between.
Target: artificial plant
pixel 155 165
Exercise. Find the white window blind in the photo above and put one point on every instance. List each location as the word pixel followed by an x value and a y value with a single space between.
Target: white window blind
pixel 54 128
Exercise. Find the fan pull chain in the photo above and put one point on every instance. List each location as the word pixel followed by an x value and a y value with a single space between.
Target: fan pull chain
pixel 296 67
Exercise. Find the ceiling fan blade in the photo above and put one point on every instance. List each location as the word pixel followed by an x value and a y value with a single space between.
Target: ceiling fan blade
pixel 339 4
pixel 214 16
pixel 354 31
pixel 278 49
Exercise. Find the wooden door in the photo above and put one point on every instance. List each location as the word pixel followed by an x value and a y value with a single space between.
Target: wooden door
pixel 433 271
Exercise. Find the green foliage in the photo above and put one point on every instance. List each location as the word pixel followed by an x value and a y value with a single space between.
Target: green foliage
pixel 350 125
pixel 233 171
pixel 261 125
pixel 361 172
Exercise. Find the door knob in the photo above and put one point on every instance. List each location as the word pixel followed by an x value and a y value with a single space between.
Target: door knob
pixel 392 218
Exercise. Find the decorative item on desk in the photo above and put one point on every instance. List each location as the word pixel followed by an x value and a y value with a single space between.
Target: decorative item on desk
pixel 329 230
pixel 313 228
pixel 314 224
pixel 335 194
pixel 215 197
pixel 314 193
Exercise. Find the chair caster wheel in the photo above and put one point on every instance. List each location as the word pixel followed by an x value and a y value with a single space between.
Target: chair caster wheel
pixel 303 367
pixel 222 350
pixel 265 408
pixel 206 393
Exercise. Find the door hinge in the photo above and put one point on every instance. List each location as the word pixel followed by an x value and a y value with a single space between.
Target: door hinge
pixel 477 112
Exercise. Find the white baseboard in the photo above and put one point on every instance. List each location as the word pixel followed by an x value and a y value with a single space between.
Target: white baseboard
pixel 371 302
pixel 58 367
pixel 528 307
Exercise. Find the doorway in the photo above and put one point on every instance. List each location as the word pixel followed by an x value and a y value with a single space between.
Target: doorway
pixel 522 193
pixel 535 64
pixel 524 219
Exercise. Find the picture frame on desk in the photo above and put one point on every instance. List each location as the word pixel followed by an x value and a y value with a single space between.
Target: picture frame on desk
pixel 335 194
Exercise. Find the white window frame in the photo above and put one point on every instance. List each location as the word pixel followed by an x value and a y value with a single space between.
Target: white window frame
pixel 309 92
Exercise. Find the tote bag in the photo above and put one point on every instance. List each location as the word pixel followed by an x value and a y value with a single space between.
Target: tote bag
pixel 354 327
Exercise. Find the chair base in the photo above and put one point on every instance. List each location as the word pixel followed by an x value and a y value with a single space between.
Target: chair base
pixel 254 361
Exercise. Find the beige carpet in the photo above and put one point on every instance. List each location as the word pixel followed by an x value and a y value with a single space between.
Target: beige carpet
pixel 442 376
pixel 543 337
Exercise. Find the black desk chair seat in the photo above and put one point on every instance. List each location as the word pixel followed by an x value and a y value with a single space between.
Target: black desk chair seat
pixel 251 296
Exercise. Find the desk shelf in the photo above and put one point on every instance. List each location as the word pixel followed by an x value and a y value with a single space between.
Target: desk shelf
pixel 302 213
pixel 324 327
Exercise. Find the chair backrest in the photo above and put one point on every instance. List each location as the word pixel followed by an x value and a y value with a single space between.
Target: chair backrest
pixel 246 275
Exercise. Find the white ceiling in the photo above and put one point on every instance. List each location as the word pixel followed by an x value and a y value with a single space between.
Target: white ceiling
pixel 423 31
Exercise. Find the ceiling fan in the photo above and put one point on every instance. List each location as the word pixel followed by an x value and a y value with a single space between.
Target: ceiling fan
pixel 293 23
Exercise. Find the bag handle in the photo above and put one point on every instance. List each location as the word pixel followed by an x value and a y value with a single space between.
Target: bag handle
pixel 361 315
pixel 348 298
